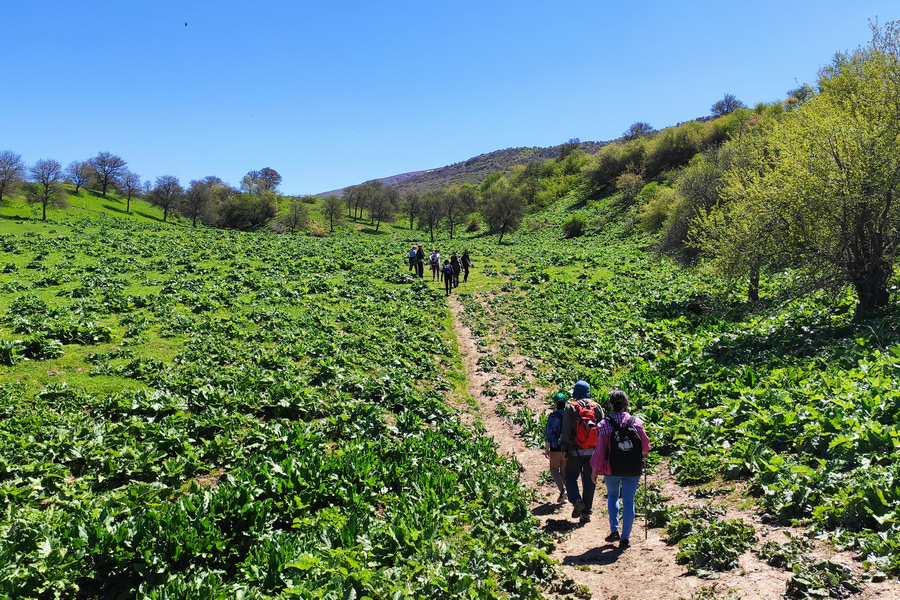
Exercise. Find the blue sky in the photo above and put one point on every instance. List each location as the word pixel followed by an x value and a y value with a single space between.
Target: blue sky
pixel 333 94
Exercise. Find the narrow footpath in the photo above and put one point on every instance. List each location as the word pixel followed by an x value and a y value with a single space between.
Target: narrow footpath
pixel 597 569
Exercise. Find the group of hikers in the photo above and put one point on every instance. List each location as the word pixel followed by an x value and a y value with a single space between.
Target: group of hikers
pixel 448 272
pixel 582 444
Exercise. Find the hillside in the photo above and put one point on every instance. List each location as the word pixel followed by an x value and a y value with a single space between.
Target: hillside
pixel 473 170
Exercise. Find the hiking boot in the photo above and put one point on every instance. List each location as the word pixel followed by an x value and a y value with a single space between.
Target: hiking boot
pixel 586 518
pixel 613 537
pixel 562 498
pixel 577 510
pixel 624 543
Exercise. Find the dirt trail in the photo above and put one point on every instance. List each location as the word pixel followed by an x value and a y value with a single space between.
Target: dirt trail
pixel 646 570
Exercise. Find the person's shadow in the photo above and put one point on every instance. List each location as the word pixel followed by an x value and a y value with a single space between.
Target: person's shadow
pixel 601 556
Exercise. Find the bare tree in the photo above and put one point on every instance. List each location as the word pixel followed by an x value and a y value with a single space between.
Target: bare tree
pixel 431 211
pixel 79 172
pixel 166 194
pixel 130 185
pixel 331 208
pixel 269 179
pixel 728 104
pixel 636 130
pixel 383 205
pixel 411 204
pixel 251 183
pixel 296 217
pixel 196 201
pixel 12 172
pixel 108 168
pixel 46 187
pixel 458 202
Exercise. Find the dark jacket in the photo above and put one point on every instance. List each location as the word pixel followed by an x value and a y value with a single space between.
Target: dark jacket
pixel 570 421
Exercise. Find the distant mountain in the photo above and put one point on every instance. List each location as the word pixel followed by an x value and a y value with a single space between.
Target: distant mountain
pixel 471 171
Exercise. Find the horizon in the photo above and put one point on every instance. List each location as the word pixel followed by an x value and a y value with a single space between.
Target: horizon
pixel 335 96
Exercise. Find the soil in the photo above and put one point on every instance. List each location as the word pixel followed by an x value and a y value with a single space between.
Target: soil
pixel 647 569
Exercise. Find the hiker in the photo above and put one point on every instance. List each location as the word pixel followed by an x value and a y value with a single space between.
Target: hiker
pixel 579 438
pixel 420 262
pixel 621 446
pixel 454 263
pixel 447 270
pixel 435 260
pixel 552 433
pixel 412 258
pixel 466 262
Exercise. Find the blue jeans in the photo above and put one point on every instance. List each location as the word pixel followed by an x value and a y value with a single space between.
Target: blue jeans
pixel 629 487
pixel 579 467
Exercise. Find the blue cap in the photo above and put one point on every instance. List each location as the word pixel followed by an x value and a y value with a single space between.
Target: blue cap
pixel 582 389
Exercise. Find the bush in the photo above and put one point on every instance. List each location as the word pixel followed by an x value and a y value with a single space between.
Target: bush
pixel 315 229
pixel 473 226
pixel 657 209
pixel 574 227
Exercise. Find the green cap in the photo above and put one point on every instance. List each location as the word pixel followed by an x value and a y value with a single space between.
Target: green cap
pixel 559 397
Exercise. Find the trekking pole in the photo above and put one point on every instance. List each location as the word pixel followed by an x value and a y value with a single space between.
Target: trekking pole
pixel 646 514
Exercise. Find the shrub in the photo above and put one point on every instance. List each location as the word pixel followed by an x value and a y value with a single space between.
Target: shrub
pixel 315 229
pixel 473 226
pixel 657 209
pixel 574 227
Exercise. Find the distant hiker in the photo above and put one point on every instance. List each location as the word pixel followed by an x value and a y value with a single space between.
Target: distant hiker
pixel 454 262
pixel 579 438
pixel 466 262
pixel 420 262
pixel 412 258
pixel 621 446
pixel 447 271
pixel 552 434
pixel 435 260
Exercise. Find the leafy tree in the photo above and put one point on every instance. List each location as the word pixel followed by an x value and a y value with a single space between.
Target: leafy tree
pixel 247 211
pixel 297 215
pixel 107 167
pixel 729 103
pixel 432 211
pixel 824 183
pixel 46 187
pixel 527 179
pixel 12 172
pixel 166 194
pixel 411 205
pixel 569 147
pixel 638 129
pixel 331 209
pixel 79 172
pixel 503 206
pixel 130 186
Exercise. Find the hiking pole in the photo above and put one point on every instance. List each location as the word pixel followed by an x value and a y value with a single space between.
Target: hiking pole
pixel 646 515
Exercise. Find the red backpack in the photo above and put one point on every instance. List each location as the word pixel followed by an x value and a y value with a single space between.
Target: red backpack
pixel 586 428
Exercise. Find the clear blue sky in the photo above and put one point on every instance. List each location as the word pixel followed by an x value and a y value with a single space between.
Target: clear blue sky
pixel 331 94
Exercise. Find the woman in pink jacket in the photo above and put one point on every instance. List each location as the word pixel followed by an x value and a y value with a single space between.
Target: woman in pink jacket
pixel 621 445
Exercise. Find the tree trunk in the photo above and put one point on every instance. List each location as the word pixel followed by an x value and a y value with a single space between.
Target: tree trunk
pixel 872 291
pixel 128 205
pixel 753 286
pixel 45 211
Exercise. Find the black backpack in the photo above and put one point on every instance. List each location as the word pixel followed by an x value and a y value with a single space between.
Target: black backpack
pixel 626 454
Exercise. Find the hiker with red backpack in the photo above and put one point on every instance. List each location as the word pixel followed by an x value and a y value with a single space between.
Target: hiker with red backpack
pixel 621 446
pixel 578 440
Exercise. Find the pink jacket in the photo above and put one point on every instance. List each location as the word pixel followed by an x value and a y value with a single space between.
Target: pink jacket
pixel 599 460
